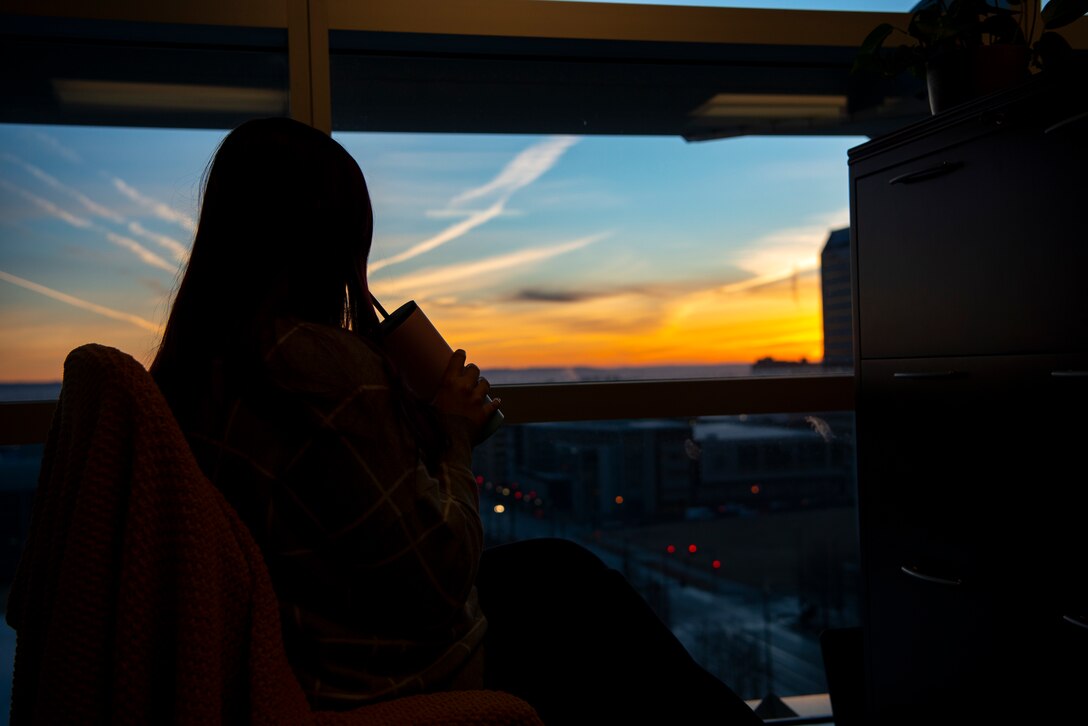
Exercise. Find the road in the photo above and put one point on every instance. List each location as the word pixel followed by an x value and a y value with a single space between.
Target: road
pixel 746 638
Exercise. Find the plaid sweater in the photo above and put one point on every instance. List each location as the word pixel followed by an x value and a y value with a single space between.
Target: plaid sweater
pixel 372 553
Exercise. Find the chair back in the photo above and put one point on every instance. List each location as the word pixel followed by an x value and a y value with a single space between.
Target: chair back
pixel 142 598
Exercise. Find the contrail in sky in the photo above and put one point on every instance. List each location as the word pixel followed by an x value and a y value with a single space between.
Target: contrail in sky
pixel 80 303
pixel 522 170
pixel 452 274
pixel 48 207
pixel 145 255
pixel 159 209
pixel 89 204
pixel 449 233
pixel 55 146
pixel 180 252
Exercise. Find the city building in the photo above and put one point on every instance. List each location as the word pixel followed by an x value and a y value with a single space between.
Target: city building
pixel 836 296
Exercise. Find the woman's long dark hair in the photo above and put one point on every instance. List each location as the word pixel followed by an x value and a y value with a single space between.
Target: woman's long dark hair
pixel 285 229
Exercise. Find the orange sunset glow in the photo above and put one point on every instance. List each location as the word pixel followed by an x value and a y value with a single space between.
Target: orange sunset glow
pixel 780 320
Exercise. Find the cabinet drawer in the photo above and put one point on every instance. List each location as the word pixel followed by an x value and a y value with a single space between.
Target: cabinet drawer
pixel 936 465
pixel 976 249
pixel 975 465
pixel 961 655
pixel 972 501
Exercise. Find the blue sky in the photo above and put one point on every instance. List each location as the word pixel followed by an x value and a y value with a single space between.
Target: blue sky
pixel 653 211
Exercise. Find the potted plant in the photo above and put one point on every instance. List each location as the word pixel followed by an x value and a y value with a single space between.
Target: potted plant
pixel 967 48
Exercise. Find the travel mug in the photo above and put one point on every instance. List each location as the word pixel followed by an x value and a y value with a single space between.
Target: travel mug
pixel 421 355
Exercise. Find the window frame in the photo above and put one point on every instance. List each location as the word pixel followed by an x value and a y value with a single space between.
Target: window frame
pixel 308 22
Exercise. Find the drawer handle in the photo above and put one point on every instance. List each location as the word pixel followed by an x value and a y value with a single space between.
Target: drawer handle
pixel 945 167
pixel 927 375
pixel 1069 374
pixel 1080 622
pixel 950 581
pixel 1065 122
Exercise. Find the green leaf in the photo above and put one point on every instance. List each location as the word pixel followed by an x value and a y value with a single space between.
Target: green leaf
pixel 1059 13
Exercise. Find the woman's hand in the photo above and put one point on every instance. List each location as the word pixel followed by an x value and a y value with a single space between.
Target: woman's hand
pixel 464 393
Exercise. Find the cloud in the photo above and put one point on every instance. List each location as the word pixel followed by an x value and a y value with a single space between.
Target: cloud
pixel 157 208
pixel 522 170
pixel 54 146
pixel 180 251
pixel 659 290
pixel 784 254
pixel 555 296
pixel 176 248
pixel 454 213
pixel 145 255
pixel 89 204
pixel 449 233
pixel 450 275
pixel 80 303
pixel 48 207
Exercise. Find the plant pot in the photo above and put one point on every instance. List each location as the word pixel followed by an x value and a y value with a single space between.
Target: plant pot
pixel 962 75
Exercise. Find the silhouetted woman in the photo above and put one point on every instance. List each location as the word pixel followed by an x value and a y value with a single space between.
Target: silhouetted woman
pixel 362 499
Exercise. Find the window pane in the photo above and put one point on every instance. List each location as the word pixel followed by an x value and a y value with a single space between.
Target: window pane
pixel 766 502
pixel 95 224
pixel 19 467
pixel 107 127
pixel 608 257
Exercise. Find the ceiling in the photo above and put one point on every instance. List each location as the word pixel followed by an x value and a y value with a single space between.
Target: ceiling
pixel 126 73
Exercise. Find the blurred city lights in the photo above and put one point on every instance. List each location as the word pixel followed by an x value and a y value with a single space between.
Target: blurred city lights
pixel 755 489
pixel 692 548
pixel 499 509
pixel 716 564
pixel 670 549
pixel 619 500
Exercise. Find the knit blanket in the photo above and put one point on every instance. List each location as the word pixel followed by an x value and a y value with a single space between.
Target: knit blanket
pixel 142 598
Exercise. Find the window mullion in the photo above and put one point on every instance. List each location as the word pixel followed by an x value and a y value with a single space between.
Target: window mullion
pixel 320 84
pixel 300 68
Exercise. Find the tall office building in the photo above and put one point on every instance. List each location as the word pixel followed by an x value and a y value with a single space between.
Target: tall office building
pixel 835 287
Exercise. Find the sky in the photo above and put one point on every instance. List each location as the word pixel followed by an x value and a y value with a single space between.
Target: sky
pixel 527 251
pixel 559 251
